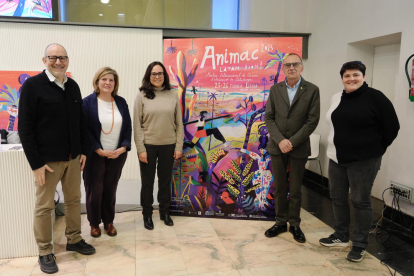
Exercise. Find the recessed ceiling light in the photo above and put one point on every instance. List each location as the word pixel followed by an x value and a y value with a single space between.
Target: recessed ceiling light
pixel 105 1
pixel 100 14
pixel 121 14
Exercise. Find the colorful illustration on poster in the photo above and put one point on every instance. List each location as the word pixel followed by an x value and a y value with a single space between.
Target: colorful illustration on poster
pixel 223 85
pixel 10 84
pixel 26 8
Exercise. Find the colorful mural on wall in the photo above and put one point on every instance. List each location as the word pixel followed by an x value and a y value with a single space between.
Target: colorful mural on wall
pixel 223 84
pixel 10 84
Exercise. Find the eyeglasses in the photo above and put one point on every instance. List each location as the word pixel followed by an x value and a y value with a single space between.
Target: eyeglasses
pixel 159 74
pixel 55 58
pixel 288 65
pixel 349 62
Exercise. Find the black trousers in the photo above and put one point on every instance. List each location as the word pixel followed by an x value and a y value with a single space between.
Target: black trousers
pixel 101 176
pixel 358 176
pixel 287 211
pixel 160 158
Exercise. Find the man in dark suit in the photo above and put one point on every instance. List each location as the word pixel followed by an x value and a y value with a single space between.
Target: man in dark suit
pixel 292 114
pixel 53 135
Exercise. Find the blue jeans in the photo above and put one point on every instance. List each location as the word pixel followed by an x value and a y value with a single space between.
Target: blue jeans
pixel 358 177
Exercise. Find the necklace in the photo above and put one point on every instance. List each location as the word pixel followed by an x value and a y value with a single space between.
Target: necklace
pixel 113 117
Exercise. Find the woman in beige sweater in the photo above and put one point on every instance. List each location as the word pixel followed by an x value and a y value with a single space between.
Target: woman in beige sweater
pixel 159 135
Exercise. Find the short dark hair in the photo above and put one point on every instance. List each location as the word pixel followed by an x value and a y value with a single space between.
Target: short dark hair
pixel 293 54
pixel 147 88
pixel 353 65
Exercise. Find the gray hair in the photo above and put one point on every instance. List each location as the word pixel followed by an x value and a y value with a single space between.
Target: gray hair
pixel 293 54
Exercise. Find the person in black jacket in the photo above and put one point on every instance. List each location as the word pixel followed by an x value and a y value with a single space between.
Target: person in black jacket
pixel 363 124
pixel 109 131
pixel 53 134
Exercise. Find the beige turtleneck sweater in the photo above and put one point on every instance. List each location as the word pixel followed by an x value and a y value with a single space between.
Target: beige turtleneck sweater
pixel 158 121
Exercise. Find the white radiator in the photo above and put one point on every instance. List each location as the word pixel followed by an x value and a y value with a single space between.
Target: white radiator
pixel 17 200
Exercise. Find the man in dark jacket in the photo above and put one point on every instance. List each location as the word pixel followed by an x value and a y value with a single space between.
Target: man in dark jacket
pixel 53 134
pixel 292 114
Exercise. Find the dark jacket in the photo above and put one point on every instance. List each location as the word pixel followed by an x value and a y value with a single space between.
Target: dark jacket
pixel 51 125
pixel 94 127
pixel 295 123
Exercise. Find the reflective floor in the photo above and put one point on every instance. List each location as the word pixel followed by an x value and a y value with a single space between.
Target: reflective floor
pixel 397 254
pixel 203 246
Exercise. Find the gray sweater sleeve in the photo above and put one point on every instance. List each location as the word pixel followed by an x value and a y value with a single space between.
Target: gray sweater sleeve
pixel 179 127
pixel 138 130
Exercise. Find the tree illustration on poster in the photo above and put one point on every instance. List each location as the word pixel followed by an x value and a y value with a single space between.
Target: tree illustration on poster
pixel 225 171
pixel 9 101
pixel 277 57
pixel 10 84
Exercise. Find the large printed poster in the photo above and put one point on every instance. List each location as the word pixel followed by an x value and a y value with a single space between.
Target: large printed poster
pixel 10 83
pixel 223 85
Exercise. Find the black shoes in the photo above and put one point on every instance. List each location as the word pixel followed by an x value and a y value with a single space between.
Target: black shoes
pixel 297 234
pixel 148 224
pixel 167 220
pixel 47 264
pixel 332 241
pixel 81 247
pixel 356 254
pixel 275 230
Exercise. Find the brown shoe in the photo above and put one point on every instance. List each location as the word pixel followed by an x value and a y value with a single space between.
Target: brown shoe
pixel 110 229
pixel 95 231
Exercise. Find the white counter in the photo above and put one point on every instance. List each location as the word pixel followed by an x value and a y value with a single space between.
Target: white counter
pixel 17 200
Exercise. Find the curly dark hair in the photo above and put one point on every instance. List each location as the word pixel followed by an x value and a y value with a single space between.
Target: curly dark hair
pixel 353 65
pixel 147 88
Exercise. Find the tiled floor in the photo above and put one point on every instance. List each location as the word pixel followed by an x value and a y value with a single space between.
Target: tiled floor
pixel 398 254
pixel 199 246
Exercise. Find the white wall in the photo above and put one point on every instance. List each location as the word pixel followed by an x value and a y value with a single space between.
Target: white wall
pixel 128 51
pixel 274 15
pixel 334 25
pixel 384 75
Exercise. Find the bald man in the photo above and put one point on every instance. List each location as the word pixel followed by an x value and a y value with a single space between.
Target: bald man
pixel 53 134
